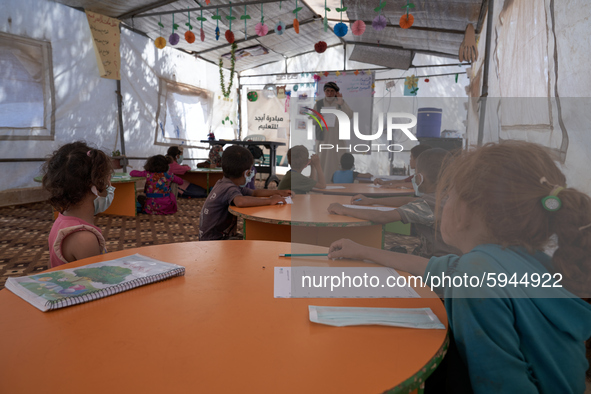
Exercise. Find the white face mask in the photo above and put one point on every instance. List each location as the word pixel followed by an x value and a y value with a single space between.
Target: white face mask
pixel 248 177
pixel 416 186
pixel 101 204
pixel 180 159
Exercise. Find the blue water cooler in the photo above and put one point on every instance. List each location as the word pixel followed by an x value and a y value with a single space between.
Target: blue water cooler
pixel 429 122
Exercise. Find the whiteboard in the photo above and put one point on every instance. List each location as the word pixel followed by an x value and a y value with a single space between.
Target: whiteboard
pixel 357 91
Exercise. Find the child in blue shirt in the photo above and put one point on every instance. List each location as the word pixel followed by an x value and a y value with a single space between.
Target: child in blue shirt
pixel 346 173
pixel 513 335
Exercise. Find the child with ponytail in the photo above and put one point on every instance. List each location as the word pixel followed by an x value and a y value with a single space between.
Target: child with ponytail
pixel 523 330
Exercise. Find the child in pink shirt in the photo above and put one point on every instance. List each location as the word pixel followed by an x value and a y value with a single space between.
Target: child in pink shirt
pixel 159 198
pixel 78 180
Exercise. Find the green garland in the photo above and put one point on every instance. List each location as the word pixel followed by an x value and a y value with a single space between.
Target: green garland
pixel 225 92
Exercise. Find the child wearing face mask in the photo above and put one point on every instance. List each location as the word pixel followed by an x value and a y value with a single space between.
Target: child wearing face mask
pixel 406 182
pixel 187 189
pixel 159 198
pixel 77 178
pixel 419 211
pixel 215 222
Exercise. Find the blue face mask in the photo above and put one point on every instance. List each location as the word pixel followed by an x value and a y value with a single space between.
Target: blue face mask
pixel 180 159
pixel 415 186
pixel 248 177
pixel 101 204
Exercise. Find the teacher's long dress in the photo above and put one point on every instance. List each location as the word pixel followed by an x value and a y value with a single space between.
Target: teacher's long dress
pixel 330 160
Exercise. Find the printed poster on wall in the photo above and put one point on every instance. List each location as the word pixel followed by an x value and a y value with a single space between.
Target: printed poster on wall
pixel 106 37
pixel 267 116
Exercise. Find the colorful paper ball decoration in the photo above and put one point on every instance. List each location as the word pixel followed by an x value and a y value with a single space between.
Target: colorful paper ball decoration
pixel 340 29
pixel 190 37
pixel 160 42
pixel 296 26
pixel 261 29
pixel 202 35
pixel 379 22
pixel 230 36
pixel 406 21
pixel 252 96
pixel 358 28
pixel 427 80
pixel 174 39
pixel 295 88
pixel 279 28
pixel 320 46
pixel 217 33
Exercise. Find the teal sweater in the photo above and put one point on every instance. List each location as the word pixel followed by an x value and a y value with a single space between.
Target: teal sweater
pixel 515 339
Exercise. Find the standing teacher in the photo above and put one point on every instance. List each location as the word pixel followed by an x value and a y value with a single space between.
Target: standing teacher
pixel 330 158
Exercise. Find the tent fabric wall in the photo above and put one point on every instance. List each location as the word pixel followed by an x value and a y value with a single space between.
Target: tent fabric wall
pixel 86 105
pixel 538 84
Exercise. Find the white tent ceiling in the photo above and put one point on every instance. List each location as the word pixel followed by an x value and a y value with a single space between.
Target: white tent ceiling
pixel 438 28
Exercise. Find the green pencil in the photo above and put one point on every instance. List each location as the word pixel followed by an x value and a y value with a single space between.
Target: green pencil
pixel 302 254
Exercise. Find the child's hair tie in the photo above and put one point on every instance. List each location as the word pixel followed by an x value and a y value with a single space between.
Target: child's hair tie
pixel 88 153
pixel 584 227
pixel 551 202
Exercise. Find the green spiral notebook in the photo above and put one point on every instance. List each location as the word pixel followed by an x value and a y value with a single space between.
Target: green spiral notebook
pixel 70 286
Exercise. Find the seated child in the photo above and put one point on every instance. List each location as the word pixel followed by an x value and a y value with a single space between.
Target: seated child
pixel 346 173
pixel 420 211
pixel 77 178
pixel 187 189
pixel 513 334
pixel 216 222
pixel 297 157
pixel 159 198
pixel 215 158
pixel 407 182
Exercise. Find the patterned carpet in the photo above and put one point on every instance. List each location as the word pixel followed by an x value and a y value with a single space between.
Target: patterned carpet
pixel 25 228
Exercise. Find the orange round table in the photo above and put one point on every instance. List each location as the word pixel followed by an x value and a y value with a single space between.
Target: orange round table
pixel 218 329
pixel 307 221
pixel 351 189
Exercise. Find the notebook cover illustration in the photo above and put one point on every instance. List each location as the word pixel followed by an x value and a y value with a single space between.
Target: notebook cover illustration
pixel 70 286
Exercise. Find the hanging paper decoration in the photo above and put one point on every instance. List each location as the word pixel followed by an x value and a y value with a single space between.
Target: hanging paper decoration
pixel 225 92
pixel 279 28
pixel 261 29
pixel 326 73
pixel 244 18
pixel 207 2
pixel 326 9
pixel 356 72
pixel 189 36
pixel 217 18
pixel 201 19
pixel 160 42
pixel 229 35
pixel 252 96
pixel 174 38
pixel 407 19
pixel 281 91
pixel 358 28
pixel 295 88
pixel 337 73
pixel 317 77
pixel 296 22
pixel 340 29
pixel 320 46
pixel 427 80
pixel 379 23
pixel 411 86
